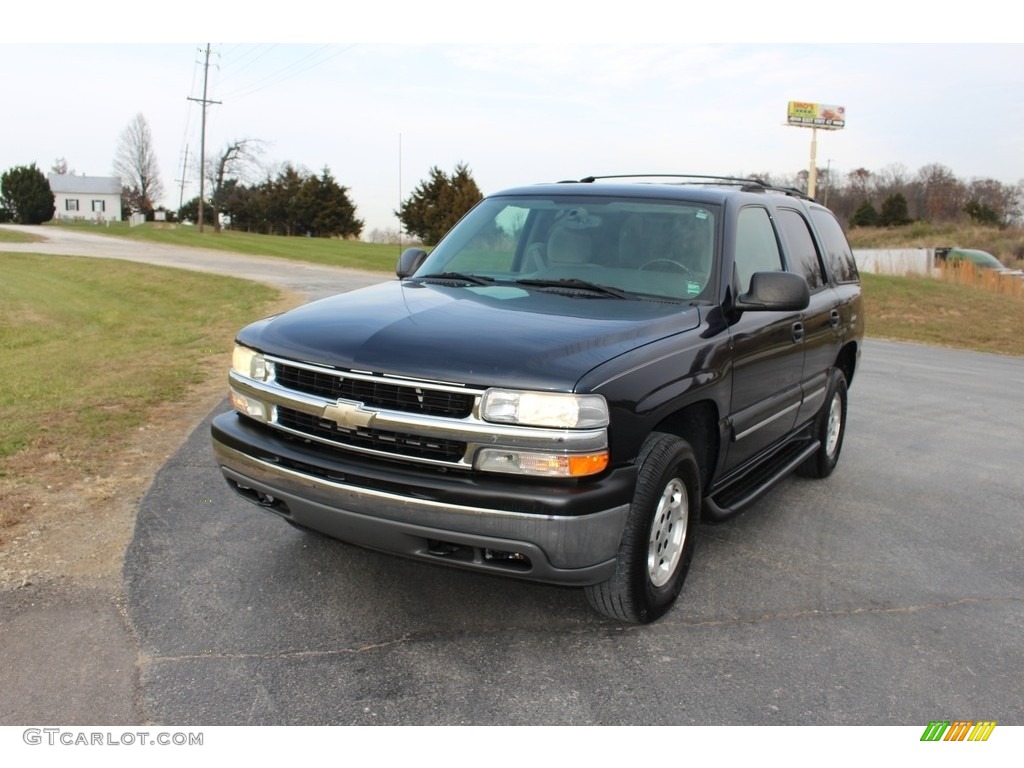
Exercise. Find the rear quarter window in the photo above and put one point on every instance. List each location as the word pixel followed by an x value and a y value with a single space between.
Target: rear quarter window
pixel 838 254
pixel 800 247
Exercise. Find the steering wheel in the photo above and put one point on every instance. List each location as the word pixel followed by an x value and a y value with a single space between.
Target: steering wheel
pixel 674 266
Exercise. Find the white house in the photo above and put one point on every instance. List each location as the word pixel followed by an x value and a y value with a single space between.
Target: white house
pixel 95 198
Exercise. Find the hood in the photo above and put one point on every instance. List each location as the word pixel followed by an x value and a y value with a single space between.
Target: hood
pixel 479 336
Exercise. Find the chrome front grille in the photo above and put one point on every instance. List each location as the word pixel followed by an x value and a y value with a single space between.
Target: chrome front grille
pixel 373 392
pixel 391 416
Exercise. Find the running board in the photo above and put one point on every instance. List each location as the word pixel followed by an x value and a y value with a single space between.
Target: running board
pixel 735 498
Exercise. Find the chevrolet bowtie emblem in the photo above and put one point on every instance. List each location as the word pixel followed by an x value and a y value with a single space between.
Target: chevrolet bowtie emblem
pixel 348 414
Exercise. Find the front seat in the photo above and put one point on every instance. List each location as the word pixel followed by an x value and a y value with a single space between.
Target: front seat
pixel 568 247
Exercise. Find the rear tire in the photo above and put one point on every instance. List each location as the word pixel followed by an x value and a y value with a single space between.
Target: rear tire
pixel 829 429
pixel 659 535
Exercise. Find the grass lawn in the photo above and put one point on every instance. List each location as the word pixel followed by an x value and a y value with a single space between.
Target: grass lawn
pixel 90 345
pixel 930 311
pixel 354 254
pixel 12 236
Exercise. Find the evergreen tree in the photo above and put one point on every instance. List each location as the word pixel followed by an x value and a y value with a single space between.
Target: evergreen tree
pixel 980 213
pixel 865 216
pixel 190 211
pixel 25 195
pixel 894 211
pixel 334 214
pixel 438 203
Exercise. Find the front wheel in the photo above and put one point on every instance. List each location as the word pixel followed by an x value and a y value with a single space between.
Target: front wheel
pixel 658 538
pixel 829 429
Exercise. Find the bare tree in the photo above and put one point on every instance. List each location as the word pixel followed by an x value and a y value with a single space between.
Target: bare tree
pixel 135 162
pixel 237 160
pixel 60 166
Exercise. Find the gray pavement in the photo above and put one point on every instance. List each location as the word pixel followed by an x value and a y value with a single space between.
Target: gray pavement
pixel 890 593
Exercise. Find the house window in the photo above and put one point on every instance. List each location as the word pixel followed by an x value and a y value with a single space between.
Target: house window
pixel 98 206
pixel 70 205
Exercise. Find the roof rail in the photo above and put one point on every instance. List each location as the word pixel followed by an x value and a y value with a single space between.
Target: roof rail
pixel 750 184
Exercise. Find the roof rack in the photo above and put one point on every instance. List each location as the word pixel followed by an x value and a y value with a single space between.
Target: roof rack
pixel 751 184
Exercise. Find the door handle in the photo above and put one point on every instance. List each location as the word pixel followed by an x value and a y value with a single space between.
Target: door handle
pixel 798 332
pixel 833 318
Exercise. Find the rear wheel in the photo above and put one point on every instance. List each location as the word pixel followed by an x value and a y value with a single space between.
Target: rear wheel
pixel 829 429
pixel 659 535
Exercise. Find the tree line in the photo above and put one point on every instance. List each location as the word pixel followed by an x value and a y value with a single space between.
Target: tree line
pixel 895 196
pixel 294 201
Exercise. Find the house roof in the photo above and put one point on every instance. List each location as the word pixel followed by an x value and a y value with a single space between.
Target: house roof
pixel 85 185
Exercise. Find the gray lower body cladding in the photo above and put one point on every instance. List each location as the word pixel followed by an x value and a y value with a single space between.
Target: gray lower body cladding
pixel 477 531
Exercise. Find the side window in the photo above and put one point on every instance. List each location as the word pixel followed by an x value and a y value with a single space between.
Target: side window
pixel 757 250
pixel 800 247
pixel 837 250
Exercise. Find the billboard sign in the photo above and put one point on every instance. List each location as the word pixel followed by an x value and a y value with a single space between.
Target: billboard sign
pixel 816 115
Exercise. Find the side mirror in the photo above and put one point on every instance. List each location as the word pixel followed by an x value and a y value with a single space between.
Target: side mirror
pixel 775 292
pixel 410 261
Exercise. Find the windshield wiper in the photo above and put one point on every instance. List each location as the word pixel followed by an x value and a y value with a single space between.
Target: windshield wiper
pixel 576 283
pixel 460 276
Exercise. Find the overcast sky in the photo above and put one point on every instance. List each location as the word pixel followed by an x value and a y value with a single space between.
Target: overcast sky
pixel 546 95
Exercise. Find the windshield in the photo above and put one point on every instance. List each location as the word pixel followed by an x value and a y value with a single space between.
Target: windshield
pixel 662 249
pixel 979 258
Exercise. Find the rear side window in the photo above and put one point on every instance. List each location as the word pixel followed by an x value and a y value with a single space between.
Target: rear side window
pixel 800 247
pixel 837 250
pixel 757 250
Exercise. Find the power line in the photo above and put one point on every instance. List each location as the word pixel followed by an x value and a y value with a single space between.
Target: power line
pixel 287 72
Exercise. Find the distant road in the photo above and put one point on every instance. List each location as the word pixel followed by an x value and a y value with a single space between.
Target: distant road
pixel 312 280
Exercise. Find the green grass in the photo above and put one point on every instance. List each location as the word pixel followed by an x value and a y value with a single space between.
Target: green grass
pixel 90 344
pixel 929 311
pixel 12 236
pixel 353 254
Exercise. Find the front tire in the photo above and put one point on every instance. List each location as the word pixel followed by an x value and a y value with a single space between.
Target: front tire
pixel 659 535
pixel 829 429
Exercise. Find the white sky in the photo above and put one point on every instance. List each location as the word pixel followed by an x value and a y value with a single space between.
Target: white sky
pixel 532 91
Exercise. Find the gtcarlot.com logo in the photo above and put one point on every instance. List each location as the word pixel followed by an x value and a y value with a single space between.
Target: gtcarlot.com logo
pixel 60 736
pixel 958 730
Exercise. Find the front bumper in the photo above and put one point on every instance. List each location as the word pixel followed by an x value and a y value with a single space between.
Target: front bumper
pixel 549 532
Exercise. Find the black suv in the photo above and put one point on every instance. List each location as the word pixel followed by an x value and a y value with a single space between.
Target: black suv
pixel 575 376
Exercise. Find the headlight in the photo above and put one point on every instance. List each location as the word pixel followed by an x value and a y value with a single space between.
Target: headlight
pixel 544 409
pixel 249 363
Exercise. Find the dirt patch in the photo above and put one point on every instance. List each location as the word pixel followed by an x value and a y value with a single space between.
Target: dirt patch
pixel 77 526
pixel 69 520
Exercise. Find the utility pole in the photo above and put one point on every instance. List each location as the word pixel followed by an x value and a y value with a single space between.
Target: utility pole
pixel 181 194
pixel 202 140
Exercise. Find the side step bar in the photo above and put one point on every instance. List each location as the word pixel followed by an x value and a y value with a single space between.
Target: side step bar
pixel 733 499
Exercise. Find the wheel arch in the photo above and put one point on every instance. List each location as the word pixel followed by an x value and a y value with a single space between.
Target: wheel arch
pixel 846 361
pixel 697 424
